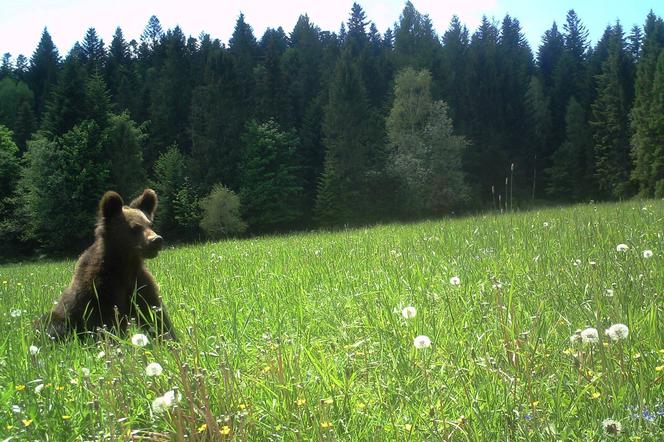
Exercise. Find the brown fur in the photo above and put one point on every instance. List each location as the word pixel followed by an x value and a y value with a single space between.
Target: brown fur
pixel 110 283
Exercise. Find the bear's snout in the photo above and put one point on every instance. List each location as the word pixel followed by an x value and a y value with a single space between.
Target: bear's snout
pixel 157 242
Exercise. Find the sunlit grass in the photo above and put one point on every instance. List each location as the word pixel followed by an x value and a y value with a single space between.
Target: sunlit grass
pixel 304 337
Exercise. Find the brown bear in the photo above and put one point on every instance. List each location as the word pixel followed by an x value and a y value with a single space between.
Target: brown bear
pixel 111 284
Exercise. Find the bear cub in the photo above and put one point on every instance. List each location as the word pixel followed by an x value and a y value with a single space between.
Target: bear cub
pixel 111 284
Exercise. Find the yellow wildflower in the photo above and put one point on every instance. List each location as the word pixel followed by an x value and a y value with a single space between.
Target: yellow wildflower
pixel 659 368
pixel 266 369
pixel 595 395
pixel 225 430
pixel 300 402
pixel 408 427
pixel 66 417
pixel 361 405
pixel 326 425
pixel 20 387
pixel 202 428
pixel 9 427
pixel 26 422
pixel 242 406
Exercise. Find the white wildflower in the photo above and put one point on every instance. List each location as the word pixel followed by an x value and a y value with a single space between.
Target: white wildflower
pixel 611 426
pixel 154 369
pixel 617 332
pixel 622 248
pixel 589 336
pixel 421 342
pixel 16 409
pixel 39 388
pixel 85 372
pixel 609 292
pixel 163 403
pixel 33 350
pixel 545 224
pixel 409 312
pixel 647 253
pixel 576 337
pixel 101 354
pixel 455 280
pixel 139 340
pixel 15 313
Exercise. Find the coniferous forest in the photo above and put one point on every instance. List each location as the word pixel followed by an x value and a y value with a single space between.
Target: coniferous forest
pixel 310 128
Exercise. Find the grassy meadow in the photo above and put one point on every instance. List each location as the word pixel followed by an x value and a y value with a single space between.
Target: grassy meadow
pixel 303 337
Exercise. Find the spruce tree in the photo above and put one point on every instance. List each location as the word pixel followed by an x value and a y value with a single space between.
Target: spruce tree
pixel 610 120
pixel 643 140
pixel 270 191
pixel 43 73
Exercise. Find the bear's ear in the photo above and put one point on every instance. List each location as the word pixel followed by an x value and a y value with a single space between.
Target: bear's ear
pixel 110 205
pixel 146 203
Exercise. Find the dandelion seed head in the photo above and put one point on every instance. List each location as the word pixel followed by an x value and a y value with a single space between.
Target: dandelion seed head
pixel 85 372
pixel 409 312
pixel 154 369
pixel 455 280
pixel 140 340
pixel 647 254
pixel 609 292
pixel 34 350
pixel 15 313
pixel 617 332
pixel 611 426
pixel 590 336
pixel 622 248
pixel 421 342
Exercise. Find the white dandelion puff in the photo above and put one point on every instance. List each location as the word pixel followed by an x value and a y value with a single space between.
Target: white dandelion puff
pixel 139 340
pixel 39 388
pixel 421 342
pixel 85 372
pixel 409 312
pixel 647 254
pixel 576 337
pixel 622 248
pixel 154 369
pixel 15 313
pixel 34 350
pixel 609 292
pixel 159 405
pixel 617 332
pixel 611 426
pixel 455 280
pixel 589 336
pixel 545 224
pixel 16 409
pixel 101 354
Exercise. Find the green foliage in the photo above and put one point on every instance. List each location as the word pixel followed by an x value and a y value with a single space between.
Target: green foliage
pixel 61 185
pixel 170 178
pixel 44 69
pixel 221 213
pixel 123 144
pixel 14 95
pixel 570 175
pixel 644 140
pixel 610 120
pixel 425 154
pixel 270 189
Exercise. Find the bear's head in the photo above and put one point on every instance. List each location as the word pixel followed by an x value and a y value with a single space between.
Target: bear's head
pixel 129 228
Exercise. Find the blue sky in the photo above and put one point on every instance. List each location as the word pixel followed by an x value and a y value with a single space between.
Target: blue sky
pixel 22 21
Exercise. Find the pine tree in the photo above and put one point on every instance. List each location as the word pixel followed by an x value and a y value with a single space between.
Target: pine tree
pixel 60 187
pixel 610 120
pixel 347 138
pixel 94 54
pixel 453 78
pixel 570 175
pixel 152 34
pixel 270 191
pixel 643 141
pixel 415 41
pixel 10 169
pixel 656 129
pixel 43 72
pixel 271 83
pixel 6 68
pixel 123 146
pixel 66 108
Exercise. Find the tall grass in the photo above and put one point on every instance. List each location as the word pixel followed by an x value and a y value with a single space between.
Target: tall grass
pixel 302 337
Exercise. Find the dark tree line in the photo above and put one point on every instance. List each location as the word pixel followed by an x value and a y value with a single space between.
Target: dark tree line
pixel 317 128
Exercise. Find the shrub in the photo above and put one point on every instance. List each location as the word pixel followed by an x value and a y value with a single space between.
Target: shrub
pixel 221 213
